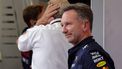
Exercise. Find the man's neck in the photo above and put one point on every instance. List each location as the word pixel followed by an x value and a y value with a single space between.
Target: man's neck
pixel 84 37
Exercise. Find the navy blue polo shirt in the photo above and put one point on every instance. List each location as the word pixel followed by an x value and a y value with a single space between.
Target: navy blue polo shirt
pixel 88 54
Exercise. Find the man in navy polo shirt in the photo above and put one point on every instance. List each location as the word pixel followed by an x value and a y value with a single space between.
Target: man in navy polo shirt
pixel 87 53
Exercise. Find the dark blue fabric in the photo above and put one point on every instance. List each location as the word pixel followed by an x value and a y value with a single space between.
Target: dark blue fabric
pixel 88 54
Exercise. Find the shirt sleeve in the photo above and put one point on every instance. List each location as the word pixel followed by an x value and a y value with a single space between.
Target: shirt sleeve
pixel 26 40
pixel 95 60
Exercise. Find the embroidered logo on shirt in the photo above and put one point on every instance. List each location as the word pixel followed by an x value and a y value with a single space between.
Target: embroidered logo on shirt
pixel 96 56
pixel 73 65
pixel 105 67
pixel 101 63
pixel 85 47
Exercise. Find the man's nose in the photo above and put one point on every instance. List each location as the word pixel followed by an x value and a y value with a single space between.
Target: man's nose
pixel 64 29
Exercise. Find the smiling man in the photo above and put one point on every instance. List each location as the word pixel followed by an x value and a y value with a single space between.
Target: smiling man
pixel 76 24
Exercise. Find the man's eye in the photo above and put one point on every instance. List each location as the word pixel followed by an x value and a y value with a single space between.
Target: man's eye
pixel 61 25
pixel 68 23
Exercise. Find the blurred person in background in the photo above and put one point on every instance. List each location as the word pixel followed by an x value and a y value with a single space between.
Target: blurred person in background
pixel 30 15
pixel 49 45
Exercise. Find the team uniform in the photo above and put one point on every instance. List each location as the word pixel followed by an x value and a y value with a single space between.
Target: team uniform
pixel 88 54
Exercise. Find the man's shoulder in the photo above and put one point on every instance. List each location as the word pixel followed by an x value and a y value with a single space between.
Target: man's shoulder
pixel 97 58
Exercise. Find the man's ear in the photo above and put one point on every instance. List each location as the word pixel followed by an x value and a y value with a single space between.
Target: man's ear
pixel 32 22
pixel 85 24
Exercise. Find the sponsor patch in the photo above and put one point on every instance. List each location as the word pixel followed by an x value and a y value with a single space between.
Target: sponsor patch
pixel 105 67
pixel 85 47
pixel 101 63
pixel 96 56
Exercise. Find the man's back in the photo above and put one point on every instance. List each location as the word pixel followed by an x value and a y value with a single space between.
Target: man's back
pixel 49 46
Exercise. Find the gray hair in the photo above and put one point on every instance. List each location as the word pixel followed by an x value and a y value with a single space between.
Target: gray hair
pixel 62 4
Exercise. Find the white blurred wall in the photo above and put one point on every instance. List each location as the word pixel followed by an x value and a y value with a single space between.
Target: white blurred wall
pixel 113 30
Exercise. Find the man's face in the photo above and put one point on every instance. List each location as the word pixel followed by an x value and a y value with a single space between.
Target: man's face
pixel 72 26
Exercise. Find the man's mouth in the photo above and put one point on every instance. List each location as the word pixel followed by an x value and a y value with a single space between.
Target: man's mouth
pixel 67 35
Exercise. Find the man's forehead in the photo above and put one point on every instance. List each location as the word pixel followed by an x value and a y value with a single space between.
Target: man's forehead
pixel 70 12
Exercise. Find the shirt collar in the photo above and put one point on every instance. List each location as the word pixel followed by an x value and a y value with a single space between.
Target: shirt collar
pixel 81 45
pixel 55 20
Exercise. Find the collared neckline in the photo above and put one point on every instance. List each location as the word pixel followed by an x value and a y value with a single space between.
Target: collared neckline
pixel 81 45
pixel 55 20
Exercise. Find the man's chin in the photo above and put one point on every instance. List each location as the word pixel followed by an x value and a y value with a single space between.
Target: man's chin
pixel 70 41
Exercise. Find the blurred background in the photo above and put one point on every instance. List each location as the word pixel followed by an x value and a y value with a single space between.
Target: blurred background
pixel 106 28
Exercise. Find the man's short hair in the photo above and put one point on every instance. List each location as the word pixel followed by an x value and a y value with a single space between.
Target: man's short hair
pixel 83 11
pixel 62 4
pixel 31 12
pixel 80 1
